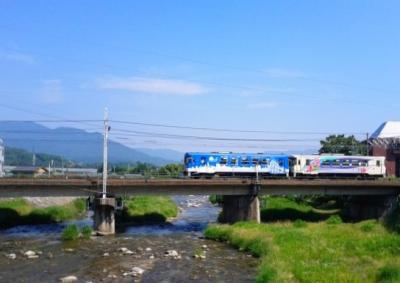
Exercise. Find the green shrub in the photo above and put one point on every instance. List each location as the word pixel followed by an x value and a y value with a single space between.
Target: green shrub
pixel 86 232
pixel 334 219
pixel 388 273
pixel 368 226
pixel 216 199
pixel 70 233
pixel 299 223
pixel 147 210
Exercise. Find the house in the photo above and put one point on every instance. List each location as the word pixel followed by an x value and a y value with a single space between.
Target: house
pixel 26 171
pixel 385 141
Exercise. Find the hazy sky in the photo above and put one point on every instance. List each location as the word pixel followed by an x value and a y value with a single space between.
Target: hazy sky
pixel 279 66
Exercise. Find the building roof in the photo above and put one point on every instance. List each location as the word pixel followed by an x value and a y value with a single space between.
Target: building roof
pixel 387 133
pixel 389 129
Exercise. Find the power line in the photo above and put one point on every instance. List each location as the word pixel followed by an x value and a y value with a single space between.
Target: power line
pixel 228 130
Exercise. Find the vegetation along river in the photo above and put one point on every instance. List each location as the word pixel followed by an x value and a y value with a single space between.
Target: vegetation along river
pixel 176 252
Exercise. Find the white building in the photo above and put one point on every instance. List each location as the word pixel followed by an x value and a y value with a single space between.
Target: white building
pixel 1 158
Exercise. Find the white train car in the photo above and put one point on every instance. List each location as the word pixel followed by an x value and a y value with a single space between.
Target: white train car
pixel 338 166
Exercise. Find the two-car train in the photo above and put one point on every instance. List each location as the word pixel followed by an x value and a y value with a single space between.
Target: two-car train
pixel 200 164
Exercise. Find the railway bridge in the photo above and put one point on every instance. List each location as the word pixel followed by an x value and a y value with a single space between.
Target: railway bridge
pixel 374 197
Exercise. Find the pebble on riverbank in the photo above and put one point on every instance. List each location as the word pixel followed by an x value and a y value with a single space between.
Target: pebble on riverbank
pixel 136 271
pixel 68 279
pixel 125 251
pixel 173 254
pixel 11 256
pixel 31 254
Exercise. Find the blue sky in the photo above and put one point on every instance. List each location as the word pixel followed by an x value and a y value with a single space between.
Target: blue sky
pixel 286 66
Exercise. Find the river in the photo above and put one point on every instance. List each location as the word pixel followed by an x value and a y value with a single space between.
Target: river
pixel 164 253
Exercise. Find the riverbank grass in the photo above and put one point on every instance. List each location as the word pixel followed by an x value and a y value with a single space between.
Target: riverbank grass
pixel 20 212
pixel 72 232
pixel 147 210
pixel 317 252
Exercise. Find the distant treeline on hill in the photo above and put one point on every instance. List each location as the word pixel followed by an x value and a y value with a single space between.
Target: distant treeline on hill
pixel 19 157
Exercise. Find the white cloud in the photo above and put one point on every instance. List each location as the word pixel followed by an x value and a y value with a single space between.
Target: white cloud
pixel 16 57
pixel 151 85
pixel 51 92
pixel 283 73
pixel 262 105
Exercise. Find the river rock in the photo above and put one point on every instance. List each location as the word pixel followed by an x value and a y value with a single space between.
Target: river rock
pixel 68 279
pixel 148 249
pixel 172 253
pixel 11 256
pixel 106 254
pixel 137 271
pixel 125 251
pixel 31 254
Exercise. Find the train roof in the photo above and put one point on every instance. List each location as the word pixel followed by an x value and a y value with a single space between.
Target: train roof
pixel 237 153
pixel 336 156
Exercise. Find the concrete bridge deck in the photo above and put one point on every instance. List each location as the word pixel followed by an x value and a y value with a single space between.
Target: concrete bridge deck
pixel 229 186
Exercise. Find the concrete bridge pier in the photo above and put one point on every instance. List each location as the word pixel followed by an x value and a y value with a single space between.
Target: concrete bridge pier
pixel 369 207
pixel 242 207
pixel 104 216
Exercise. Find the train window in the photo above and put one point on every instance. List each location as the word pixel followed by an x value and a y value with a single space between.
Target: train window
pixel 355 163
pixel 299 162
pixel 264 161
pixel 378 163
pixel 223 160
pixel 245 161
pixel 336 162
pixel 308 162
pixel 326 163
pixel 346 162
pixel 233 161
pixel 364 163
pixel 280 162
pixel 189 160
pixel 255 161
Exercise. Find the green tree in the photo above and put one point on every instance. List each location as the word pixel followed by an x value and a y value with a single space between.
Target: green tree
pixel 173 169
pixel 343 145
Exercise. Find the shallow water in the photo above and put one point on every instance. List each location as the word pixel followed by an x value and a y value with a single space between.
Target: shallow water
pixel 86 260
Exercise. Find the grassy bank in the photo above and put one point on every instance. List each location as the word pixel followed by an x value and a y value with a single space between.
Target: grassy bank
pixel 147 210
pixel 20 212
pixel 306 241
pixel 317 252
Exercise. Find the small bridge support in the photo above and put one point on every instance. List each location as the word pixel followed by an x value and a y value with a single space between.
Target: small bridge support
pixel 104 215
pixel 242 207
pixel 359 208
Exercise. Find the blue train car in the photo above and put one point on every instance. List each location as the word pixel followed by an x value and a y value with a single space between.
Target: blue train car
pixel 235 164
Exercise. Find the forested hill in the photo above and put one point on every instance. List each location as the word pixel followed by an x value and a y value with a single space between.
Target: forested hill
pixel 20 157
pixel 71 143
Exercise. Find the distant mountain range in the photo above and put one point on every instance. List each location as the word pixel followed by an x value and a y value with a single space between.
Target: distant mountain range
pixel 78 145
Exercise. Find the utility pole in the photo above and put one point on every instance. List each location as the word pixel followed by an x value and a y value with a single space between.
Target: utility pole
pixel 105 152
pixel 367 144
